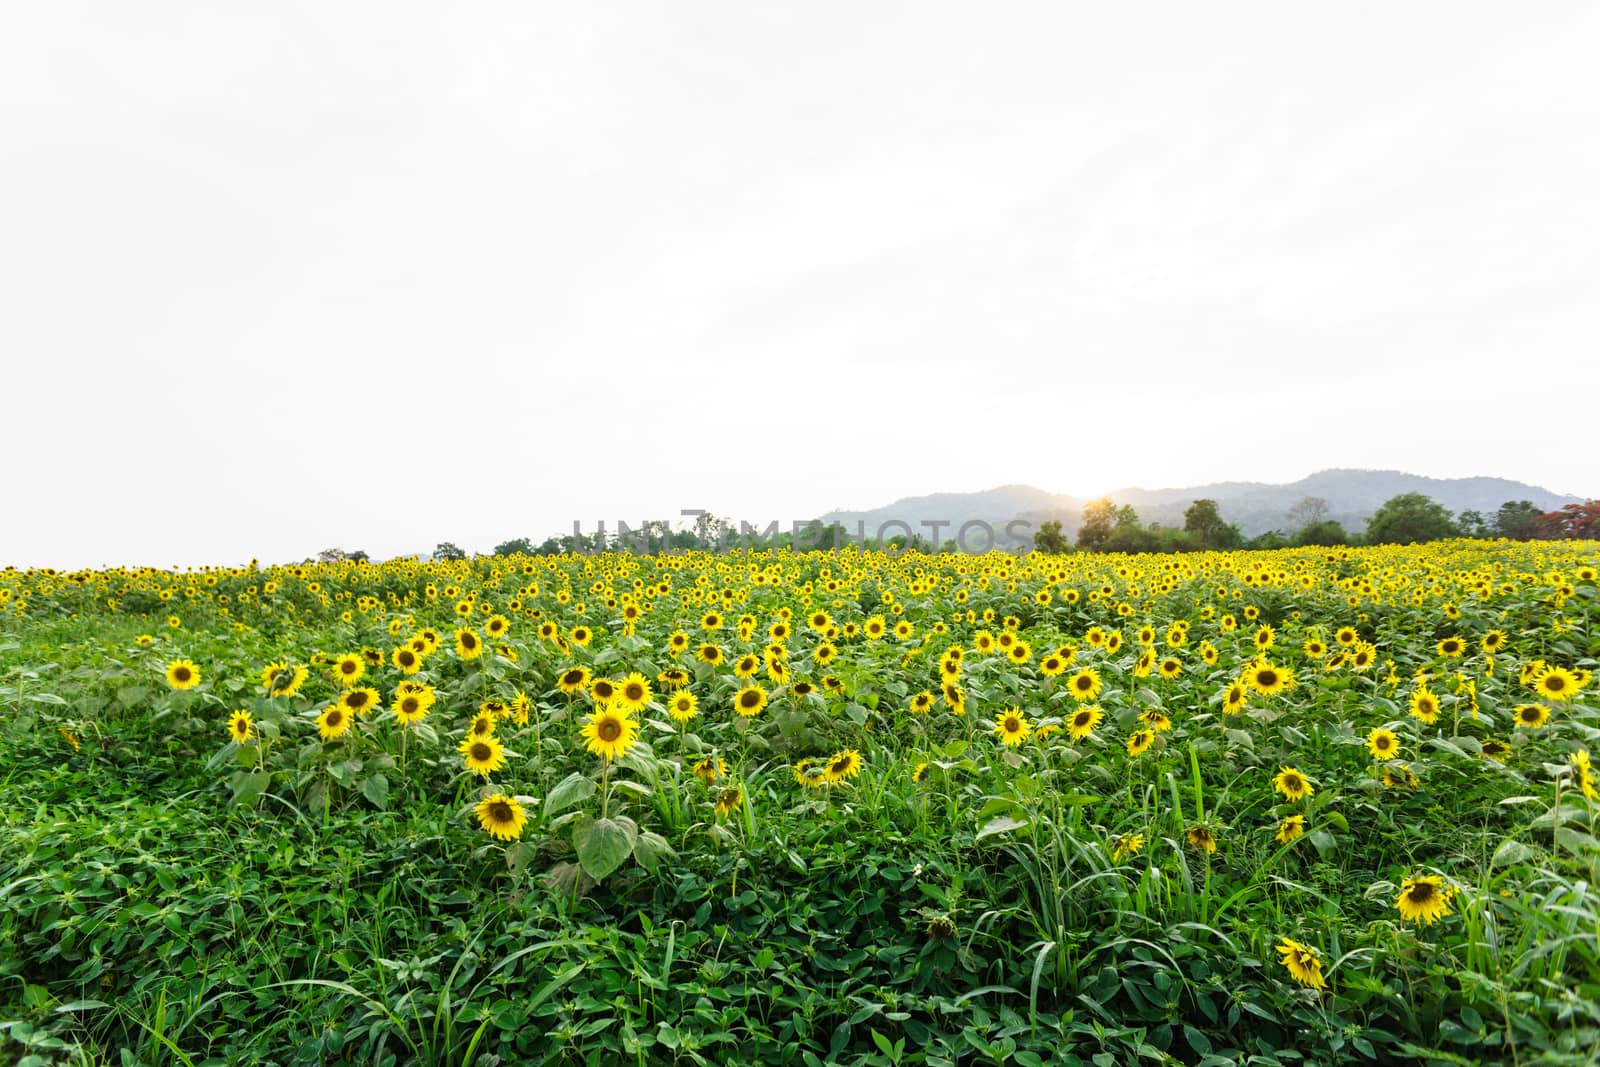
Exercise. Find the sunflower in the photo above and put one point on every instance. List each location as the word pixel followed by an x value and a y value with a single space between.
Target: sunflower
pixel 483 754
pixel 609 734
pixel 1125 845
pixel 241 727
pixel 182 674
pixel 1451 647
pixel 802 689
pixel 581 635
pixel 1267 679
pixel 683 706
pixel 922 703
pixel 1399 776
pixel 709 653
pixel 1498 751
pixel 349 668
pixel 1584 774
pixel 1082 722
pixel 1085 685
pixel 1139 742
pixel 1383 744
pixel 573 680
pixel 842 766
pixel 673 677
pixel 360 701
pixel 750 700
pixel 1156 720
pixel 468 645
pixel 1556 683
pixel 919 772
pixel 1171 667
pixel 1303 963
pixel 501 817
pixel 1424 899
pixel 407 659
pixel 1113 642
pixel 1264 638
pixel 1424 705
pixel 1145 663
pixel 1201 838
pixel 955 698
pixel 710 770
pixel 497 626
pixel 1233 699
pixel 410 708
pixel 603 691
pixel 1289 828
pixel 283 679
pixel 633 693
pixel 729 801
pixel 1314 649
pixel 1292 784
pixel 333 723
pixel 1346 636
pixel 483 725
pixel 1012 727
pixel 813 774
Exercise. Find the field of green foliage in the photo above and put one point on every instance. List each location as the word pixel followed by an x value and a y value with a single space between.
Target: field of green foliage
pixel 1313 806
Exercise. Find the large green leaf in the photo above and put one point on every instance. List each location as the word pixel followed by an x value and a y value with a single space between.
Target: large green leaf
pixel 603 844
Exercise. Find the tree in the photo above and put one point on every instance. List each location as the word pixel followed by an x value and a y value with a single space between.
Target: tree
pixel 1471 523
pixel 1203 522
pixel 1573 522
pixel 1129 534
pixel 1307 510
pixel 1267 542
pixel 513 546
pixel 1048 538
pixel 1098 515
pixel 1518 520
pixel 448 550
pixel 1322 534
pixel 1410 517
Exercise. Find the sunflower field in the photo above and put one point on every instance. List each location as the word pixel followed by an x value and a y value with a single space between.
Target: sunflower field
pixel 1315 806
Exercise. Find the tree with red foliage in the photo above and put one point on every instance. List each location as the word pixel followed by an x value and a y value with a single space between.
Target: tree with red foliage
pixel 1575 522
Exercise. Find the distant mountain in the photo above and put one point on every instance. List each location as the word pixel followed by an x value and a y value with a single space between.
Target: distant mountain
pixel 1352 496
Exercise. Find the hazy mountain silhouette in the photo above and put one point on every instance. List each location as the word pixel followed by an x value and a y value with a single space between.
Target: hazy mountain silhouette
pixel 1352 496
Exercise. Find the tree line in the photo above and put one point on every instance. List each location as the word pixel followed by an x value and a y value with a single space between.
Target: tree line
pixel 1403 519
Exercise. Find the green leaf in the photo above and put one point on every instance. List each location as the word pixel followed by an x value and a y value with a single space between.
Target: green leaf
pixel 603 844
pixel 376 789
pixel 1511 852
pixel 248 787
pixel 572 790
pixel 1000 824
pixel 81 1005
pixel 651 849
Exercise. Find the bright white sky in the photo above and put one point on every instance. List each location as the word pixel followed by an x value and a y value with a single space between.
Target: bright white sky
pixel 275 277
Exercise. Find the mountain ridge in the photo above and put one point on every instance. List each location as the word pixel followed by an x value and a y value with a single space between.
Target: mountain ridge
pixel 1352 494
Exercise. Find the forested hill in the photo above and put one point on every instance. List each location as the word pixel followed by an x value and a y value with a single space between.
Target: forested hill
pixel 1351 497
